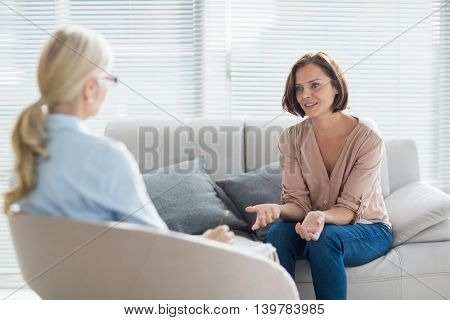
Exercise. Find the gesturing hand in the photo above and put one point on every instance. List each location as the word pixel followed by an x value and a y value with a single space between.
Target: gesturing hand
pixel 312 226
pixel 265 214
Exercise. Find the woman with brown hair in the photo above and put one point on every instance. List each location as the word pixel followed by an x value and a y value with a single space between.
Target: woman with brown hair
pixel 332 212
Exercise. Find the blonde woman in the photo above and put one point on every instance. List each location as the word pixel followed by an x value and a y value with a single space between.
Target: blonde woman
pixel 61 168
pixel 333 213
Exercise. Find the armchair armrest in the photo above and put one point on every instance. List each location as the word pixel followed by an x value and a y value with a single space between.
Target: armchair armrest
pixel 98 260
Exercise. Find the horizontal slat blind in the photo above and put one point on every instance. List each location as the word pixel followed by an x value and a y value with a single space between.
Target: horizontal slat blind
pixel 395 86
pixel 441 93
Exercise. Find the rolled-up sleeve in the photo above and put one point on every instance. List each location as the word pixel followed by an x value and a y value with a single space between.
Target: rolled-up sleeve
pixel 294 188
pixel 363 178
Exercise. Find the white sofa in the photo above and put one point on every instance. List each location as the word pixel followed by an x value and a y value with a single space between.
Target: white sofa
pixel 418 268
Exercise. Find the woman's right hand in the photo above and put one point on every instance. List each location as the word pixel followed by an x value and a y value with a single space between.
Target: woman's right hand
pixel 265 214
pixel 220 233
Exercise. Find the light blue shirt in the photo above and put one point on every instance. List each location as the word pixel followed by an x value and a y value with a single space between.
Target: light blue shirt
pixel 89 177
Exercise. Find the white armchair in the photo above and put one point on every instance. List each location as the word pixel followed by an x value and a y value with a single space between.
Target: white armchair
pixel 67 259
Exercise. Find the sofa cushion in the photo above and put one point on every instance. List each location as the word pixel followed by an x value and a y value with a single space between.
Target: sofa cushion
pixel 387 266
pixel 425 270
pixel 437 233
pixel 409 271
pixel 416 207
pixel 186 200
pixel 255 187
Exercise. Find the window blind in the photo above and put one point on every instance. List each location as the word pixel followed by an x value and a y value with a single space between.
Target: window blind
pixel 441 94
pixel 394 55
pixel 391 82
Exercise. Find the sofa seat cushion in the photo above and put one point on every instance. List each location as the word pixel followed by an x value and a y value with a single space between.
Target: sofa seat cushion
pixel 425 270
pixel 385 267
pixel 378 279
pixel 409 271
pixel 414 208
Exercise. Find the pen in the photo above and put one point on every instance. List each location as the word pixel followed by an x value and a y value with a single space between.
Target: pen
pixel 226 213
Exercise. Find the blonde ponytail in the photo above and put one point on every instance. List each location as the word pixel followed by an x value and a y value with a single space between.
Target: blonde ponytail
pixel 69 58
pixel 29 140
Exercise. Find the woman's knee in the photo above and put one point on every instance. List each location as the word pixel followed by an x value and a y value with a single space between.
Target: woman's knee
pixel 330 234
pixel 328 243
pixel 288 243
pixel 281 233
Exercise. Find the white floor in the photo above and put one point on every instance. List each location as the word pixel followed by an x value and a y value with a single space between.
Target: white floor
pixel 23 294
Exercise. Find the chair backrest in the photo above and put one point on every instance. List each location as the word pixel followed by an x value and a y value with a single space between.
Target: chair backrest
pixel 67 259
pixel 232 146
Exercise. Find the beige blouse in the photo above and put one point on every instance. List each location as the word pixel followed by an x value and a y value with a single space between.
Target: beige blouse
pixel 354 182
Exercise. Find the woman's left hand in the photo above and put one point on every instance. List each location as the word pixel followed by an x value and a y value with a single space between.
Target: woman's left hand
pixel 312 226
pixel 220 233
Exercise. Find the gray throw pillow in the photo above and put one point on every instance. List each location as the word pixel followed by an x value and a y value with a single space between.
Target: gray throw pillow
pixel 255 187
pixel 186 200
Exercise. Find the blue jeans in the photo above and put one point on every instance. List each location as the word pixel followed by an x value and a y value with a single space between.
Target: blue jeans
pixel 338 247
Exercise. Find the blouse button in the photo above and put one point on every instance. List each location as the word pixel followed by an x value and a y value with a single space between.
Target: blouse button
pixel 325 201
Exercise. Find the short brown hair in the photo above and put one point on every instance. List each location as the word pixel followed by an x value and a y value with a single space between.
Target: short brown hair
pixel 331 69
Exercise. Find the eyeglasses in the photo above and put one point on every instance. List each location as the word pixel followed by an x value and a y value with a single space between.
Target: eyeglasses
pixel 109 80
